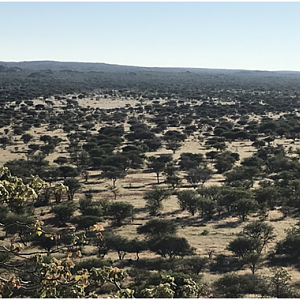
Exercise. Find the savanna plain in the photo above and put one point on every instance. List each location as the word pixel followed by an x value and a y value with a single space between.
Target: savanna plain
pixel 148 183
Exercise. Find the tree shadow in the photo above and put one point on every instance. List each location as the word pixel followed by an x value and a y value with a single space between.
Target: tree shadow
pixel 92 182
pixel 138 210
pixel 282 261
pixel 134 187
pixel 194 221
pixel 95 176
pixel 278 219
pixel 98 190
pixel 229 224
pixel 225 264
pixel 170 213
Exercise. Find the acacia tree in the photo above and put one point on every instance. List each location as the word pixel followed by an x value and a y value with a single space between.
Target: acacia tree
pixel 170 172
pixel 26 138
pixel 249 245
pixel 190 160
pixel 171 246
pixel 225 161
pixel 64 211
pixel 136 246
pixel 199 174
pixel 117 243
pixel 154 199
pixel 157 164
pixel 290 245
pixel 260 232
pixel 4 141
pixel 188 200
pixel 230 286
pixel 68 171
pixel 120 211
pixel 157 228
pixel 73 186
pixel 281 283
pixel 85 221
pixel 113 173
pixel 173 139
pixel 245 206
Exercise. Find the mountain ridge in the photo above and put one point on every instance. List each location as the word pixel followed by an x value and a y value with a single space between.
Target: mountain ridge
pixel 53 65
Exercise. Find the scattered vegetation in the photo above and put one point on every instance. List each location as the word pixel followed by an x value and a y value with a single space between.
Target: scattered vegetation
pixel 189 181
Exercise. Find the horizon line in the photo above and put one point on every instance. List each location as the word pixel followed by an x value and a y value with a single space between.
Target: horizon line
pixel 150 67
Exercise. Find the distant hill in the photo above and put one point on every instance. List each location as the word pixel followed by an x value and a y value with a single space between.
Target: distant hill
pixel 32 79
pixel 103 67
pixel 72 66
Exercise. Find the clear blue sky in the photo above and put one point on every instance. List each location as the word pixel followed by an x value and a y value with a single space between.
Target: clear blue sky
pixel 231 35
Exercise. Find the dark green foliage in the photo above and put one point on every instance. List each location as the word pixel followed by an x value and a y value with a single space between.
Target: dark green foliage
pixel 26 138
pixel 230 196
pixel 212 155
pixel 290 245
pixel 224 162
pixel 19 224
pixel 112 130
pixel 119 211
pixel 123 161
pixel 61 160
pixel 189 101
pixel 195 264
pixel 174 136
pixel 245 206
pixel 241 173
pixel 24 168
pixel 188 200
pixel 200 174
pixel 252 161
pixel 113 173
pixel 207 207
pixel 3 211
pixel 260 232
pixel 5 257
pixel 254 237
pixel 157 164
pixel 117 243
pixel 190 160
pixel 269 195
pixel 154 199
pixel 236 286
pixel 64 211
pixel 242 246
pixel 89 207
pixel 157 227
pixel 73 186
pixel 171 173
pixel 249 245
pixel 136 246
pixel 50 174
pixel 171 246
pixel 280 284
pixel 85 222
pixel 68 171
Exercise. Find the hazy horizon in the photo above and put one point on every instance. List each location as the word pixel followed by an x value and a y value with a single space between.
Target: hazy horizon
pixel 169 67
pixel 258 36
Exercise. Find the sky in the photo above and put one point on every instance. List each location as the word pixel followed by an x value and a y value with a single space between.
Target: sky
pixel 226 35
